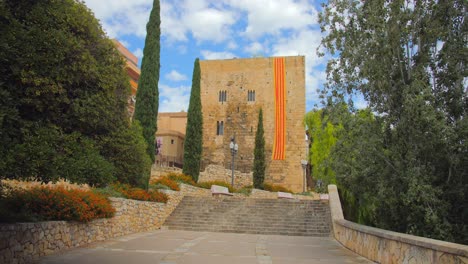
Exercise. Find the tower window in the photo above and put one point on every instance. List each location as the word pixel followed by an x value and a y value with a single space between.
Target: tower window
pixel 172 141
pixel 222 97
pixel 251 96
pixel 219 128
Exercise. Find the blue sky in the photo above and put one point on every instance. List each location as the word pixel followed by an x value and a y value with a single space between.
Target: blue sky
pixel 217 29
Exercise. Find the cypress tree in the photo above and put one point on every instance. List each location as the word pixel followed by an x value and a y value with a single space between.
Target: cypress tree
pixel 147 98
pixel 193 135
pixel 259 154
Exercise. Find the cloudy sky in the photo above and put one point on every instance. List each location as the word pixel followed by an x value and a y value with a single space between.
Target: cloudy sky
pixel 217 29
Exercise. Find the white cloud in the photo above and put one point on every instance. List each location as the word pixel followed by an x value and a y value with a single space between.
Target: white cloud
pixel 122 17
pixel 267 16
pixel 139 53
pixel 215 55
pixel 232 45
pixel 204 20
pixel 175 76
pixel 173 99
pixel 255 48
pixel 305 43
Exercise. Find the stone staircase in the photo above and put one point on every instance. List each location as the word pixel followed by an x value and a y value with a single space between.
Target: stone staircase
pixel 252 216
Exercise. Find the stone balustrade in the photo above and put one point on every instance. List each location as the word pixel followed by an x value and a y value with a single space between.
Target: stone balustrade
pixel 384 246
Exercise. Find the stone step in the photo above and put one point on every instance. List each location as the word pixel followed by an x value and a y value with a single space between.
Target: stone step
pixel 255 216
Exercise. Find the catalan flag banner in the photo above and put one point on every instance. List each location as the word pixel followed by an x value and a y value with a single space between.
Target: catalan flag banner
pixel 279 140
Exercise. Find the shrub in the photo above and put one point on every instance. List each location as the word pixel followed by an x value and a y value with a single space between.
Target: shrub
pixel 247 190
pixel 207 185
pixel 167 182
pixel 48 154
pixel 134 193
pixel 181 178
pixel 126 149
pixel 275 188
pixel 46 203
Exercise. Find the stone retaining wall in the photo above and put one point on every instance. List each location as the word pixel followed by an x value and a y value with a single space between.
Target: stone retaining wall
pixel 384 246
pixel 25 242
pixel 219 173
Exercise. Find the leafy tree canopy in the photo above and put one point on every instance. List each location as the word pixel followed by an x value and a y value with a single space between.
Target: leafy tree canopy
pixel 63 92
pixel 408 59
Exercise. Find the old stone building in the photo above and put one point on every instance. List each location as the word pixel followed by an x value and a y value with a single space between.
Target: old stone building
pixel 170 139
pixel 233 91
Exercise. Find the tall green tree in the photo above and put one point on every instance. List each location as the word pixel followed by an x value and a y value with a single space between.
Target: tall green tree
pixel 259 154
pixel 323 137
pixel 147 97
pixel 409 60
pixel 194 132
pixel 62 96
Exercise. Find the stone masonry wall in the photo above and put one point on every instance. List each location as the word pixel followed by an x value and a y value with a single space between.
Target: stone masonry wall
pixel 25 242
pixel 384 246
pixel 219 173
pixel 240 116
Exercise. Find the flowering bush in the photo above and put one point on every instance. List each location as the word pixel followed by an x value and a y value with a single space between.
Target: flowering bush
pixel 179 177
pixel 130 192
pixel 167 182
pixel 275 188
pixel 59 203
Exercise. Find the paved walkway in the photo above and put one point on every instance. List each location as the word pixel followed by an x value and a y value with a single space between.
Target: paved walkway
pixel 183 247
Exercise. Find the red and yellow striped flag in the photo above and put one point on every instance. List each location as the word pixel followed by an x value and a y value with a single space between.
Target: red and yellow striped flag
pixel 280 109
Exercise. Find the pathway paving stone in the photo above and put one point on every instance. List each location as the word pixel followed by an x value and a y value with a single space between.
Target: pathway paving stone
pixel 184 247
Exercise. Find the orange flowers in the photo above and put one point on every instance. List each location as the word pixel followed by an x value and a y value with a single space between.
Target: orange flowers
pixel 46 203
pixel 140 194
pixel 167 182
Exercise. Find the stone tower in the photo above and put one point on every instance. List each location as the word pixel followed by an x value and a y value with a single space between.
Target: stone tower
pixel 233 91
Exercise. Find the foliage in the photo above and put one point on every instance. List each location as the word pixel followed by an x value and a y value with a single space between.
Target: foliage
pixel 259 154
pixel 158 186
pixel 47 154
pixel 63 95
pixel 126 149
pixel 323 137
pixel 194 131
pixel 246 190
pixel 181 178
pixel 134 193
pixel 147 97
pixel 407 167
pixel 167 182
pixel 207 185
pixel 275 188
pixel 46 203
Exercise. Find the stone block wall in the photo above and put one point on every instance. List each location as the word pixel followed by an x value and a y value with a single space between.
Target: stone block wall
pixel 219 173
pixel 240 117
pixel 384 246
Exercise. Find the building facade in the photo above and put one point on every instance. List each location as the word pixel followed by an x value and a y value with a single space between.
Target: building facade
pixel 131 66
pixel 170 139
pixel 233 91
